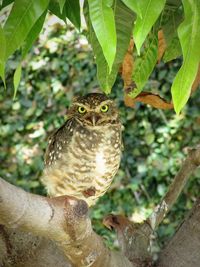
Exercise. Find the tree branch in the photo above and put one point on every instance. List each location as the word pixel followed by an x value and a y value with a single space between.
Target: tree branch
pixel 134 238
pixel 183 249
pixel 22 249
pixel 63 219
pixel 191 163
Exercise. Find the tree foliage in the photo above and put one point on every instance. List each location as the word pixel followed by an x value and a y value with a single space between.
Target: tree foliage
pixel 110 26
pixel 153 140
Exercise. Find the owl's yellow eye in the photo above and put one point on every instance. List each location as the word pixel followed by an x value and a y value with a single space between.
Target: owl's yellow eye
pixel 104 108
pixel 81 110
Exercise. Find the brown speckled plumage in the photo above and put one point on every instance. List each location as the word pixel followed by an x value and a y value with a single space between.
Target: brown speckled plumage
pixel 83 155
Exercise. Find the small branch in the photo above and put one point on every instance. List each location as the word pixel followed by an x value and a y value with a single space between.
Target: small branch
pixel 191 163
pixel 64 220
pixel 134 239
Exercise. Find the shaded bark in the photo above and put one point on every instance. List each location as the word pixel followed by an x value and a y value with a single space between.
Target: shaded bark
pixel 20 249
pixel 183 250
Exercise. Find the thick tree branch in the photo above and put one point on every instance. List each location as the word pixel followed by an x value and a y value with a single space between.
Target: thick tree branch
pixel 191 163
pixel 23 249
pixel 135 239
pixel 63 219
pixel 183 249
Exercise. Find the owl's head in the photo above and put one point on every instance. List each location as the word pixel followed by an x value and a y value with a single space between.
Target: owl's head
pixel 94 109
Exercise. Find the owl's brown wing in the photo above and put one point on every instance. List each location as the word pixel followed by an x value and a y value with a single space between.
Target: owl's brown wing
pixel 58 141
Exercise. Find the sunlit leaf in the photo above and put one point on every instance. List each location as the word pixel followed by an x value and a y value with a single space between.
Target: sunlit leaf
pixel 133 5
pixel 33 34
pixel 189 35
pixel 22 17
pixel 171 19
pixel 124 19
pixel 61 4
pixel 2 54
pixel 102 66
pixel 72 12
pixel 54 8
pixel 144 64
pixel 173 50
pixel 5 3
pixel 16 79
pixel 102 19
pixel 150 10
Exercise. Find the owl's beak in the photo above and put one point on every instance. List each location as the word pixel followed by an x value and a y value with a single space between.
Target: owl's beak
pixel 93 119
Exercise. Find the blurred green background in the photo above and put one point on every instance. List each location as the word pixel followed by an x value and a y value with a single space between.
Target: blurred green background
pixel 60 66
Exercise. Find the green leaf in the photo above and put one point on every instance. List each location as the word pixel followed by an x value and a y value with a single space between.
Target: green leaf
pixel 134 6
pixel 124 19
pixel 102 19
pixel 189 35
pixel 16 79
pixel 21 19
pixel 102 66
pixel 6 3
pixel 61 4
pixel 173 50
pixel 2 55
pixel 150 10
pixel 72 12
pixel 54 8
pixel 171 19
pixel 33 34
pixel 144 65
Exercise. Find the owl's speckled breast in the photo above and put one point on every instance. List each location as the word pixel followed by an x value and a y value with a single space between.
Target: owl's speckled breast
pixel 90 159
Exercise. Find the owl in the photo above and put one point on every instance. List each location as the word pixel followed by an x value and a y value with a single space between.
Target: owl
pixel 83 155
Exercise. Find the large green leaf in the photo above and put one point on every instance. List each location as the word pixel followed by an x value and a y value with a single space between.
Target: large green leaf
pixel 5 3
pixel 33 34
pixel 72 12
pixel 150 10
pixel 189 35
pixel 171 18
pixel 16 79
pixel 144 65
pixel 2 54
pixel 173 50
pixel 124 19
pixel 22 17
pixel 61 4
pixel 54 8
pixel 102 19
pixel 102 66
pixel 134 6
